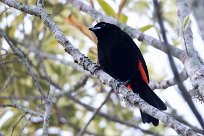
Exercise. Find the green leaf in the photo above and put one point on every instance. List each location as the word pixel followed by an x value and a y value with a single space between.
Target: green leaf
pixel 176 42
pixel 123 18
pixel 141 6
pixel 186 22
pixel 12 30
pixel 145 28
pixel 143 47
pixel 107 8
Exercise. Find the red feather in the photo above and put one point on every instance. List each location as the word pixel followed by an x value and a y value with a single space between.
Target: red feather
pixel 142 71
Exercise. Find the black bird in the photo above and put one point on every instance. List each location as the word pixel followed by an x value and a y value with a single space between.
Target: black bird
pixel 120 57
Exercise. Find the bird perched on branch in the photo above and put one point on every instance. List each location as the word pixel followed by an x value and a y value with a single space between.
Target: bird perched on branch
pixel 120 57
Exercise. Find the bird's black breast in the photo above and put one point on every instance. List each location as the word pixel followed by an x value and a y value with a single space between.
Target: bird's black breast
pixel 119 56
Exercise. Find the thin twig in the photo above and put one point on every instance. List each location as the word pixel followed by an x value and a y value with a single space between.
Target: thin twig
pixel 17 123
pixel 3 11
pixel 92 3
pixel 40 3
pixel 7 83
pixel 120 8
pixel 183 12
pixel 9 62
pixel 95 113
pixel 167 83
pixel 64 120
pixel 74 126
pixel 25 61
pixel 48 104
pixel 26 110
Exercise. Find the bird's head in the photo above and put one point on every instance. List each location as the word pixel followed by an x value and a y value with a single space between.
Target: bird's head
pixel 103 28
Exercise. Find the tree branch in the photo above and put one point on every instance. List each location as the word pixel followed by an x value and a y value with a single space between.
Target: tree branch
pixel 7 83
pixel 26 110
pixel 40 3
pixel 87 64
pixel 167 83
pixel 48 104
pixel 24 60
pixel 120 8
pixel 94 114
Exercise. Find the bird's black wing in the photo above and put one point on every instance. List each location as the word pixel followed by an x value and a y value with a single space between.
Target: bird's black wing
pixel 119 56
pixel 128 39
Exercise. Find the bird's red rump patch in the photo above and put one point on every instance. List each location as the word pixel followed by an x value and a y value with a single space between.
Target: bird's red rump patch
pixel 129 87
pixel 141 69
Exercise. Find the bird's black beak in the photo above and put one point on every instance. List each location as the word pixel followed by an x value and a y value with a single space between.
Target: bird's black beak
pixel 94 29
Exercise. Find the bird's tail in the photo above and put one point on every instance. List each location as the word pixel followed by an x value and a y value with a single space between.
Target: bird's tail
pixel 147 94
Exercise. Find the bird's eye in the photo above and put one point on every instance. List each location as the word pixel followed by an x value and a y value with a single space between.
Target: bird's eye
pixel 103 25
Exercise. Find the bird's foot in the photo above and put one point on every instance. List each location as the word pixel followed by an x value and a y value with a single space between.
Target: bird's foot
pixel 96 68
pixel 126 83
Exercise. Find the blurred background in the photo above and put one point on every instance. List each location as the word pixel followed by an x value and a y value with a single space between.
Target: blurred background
pixel 75 93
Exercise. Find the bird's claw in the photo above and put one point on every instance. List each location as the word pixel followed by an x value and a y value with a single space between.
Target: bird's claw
pixel 96 68
pixel 124 83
